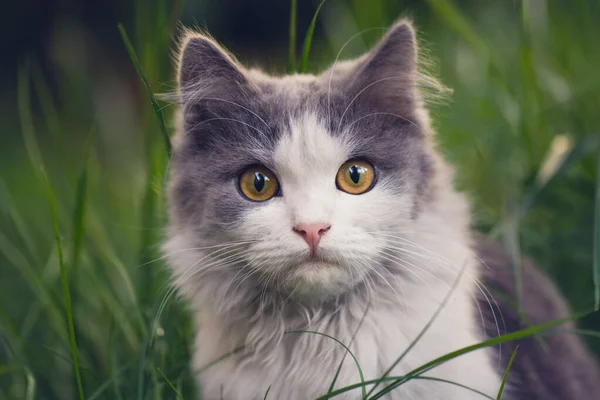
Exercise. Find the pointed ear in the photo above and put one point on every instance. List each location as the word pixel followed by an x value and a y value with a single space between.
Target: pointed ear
pixel 208 70
pixel 387 75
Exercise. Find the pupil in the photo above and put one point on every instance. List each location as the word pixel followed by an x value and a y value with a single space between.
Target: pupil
pixel 355 173
pixel 259 181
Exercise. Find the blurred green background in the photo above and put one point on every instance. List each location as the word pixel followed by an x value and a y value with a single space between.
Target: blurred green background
pixel 522 128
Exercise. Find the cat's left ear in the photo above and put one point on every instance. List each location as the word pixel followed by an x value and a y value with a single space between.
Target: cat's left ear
pixel 208 70
pixel 386 77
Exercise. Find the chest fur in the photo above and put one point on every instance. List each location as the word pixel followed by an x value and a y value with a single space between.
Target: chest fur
pixel 302 365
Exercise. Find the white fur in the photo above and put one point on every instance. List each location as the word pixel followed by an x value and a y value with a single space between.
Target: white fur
pixel 301 366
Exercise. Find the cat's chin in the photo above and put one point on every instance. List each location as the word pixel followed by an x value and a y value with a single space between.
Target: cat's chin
pixel 317 280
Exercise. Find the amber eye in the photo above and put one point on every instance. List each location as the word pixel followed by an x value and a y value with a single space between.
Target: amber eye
pixel 258 184
pixel 355 177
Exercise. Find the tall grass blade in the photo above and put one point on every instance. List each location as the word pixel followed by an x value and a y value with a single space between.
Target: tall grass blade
pixel 597 239
pixel 505 377
pixel 267 393
pixel 394 378
pixel 337 373
pixel 138 67
pixel 360 372
pixel 104 386
pixel 7 203
pixel 218 360
pixel 425 328
pixel 46 101
pixel 65 282
pixel 179 396
pixel 520 334
pixel 511 241
pixel 14 257
pixel 31 386
pixel 490 342
pixel 292 45
pixel 80 208
pixel 27 127
pixel 308 40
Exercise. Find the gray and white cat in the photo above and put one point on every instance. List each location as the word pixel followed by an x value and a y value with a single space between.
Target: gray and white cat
pixel 318 203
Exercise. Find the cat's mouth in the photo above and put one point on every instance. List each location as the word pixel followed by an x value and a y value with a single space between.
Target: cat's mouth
pixel 317 260
pixel 316 257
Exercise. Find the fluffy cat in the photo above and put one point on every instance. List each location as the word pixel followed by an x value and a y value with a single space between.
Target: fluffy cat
pixel 318 203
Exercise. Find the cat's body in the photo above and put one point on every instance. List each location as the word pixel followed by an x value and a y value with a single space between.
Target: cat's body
pixel 382 259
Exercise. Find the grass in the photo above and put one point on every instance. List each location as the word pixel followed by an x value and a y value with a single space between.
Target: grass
pixel 506 372
pixel 523 112
pixel 65 283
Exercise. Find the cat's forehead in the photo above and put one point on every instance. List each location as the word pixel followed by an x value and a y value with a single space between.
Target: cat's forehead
pixel 308 146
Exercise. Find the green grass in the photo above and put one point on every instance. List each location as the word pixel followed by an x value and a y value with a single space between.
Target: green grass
pixel 64 282
pixel 522 129
pixel 506 372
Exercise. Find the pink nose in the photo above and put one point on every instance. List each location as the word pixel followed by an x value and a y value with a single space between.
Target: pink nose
pixel 311 233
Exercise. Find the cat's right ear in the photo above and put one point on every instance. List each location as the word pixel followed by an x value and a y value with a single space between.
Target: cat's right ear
pixel 208 70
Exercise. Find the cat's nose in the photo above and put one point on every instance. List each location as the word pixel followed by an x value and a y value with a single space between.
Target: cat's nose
pixel 311 233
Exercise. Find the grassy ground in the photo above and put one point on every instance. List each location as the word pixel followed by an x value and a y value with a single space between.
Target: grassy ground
pixel 522 128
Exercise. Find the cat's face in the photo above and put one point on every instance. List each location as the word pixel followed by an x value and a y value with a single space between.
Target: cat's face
pixel 300 184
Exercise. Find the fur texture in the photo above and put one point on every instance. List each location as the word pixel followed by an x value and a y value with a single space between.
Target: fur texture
pixel 384 267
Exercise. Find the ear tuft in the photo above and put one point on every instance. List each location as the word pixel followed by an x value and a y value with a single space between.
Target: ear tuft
pixel 398 48
pixel 387 76
pixel 205 67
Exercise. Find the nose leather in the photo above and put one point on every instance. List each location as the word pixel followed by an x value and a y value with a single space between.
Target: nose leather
pixel 311 233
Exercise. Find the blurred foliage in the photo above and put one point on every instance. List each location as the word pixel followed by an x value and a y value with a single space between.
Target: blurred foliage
pixel 522 129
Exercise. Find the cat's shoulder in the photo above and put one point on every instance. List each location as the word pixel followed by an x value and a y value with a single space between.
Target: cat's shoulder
pixel 555 366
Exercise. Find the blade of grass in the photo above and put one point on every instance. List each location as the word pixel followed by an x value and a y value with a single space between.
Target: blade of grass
pixel 520 334
pixel 425 328
pixel 44 96
pixel 583 332
pixel 505 377
pixel 65 283
pixel 308 39
pixel 30 384
pixel 138 67
pixel 525 320
pixel 393 378
pixel 112 360
pixel 360 372
pixel 179 396
pixel 267 393
pixel 80 208
pixel 104 386
pixel 512 244
pixel 337 373
pixel 27 127
pixel 29 274
pixel 292 46
pixel 486 343
pixel 23 230
pixel 597 239
pixel 585 145
pixel 218 360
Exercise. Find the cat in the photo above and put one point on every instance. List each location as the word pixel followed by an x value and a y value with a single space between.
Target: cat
pixel 318 203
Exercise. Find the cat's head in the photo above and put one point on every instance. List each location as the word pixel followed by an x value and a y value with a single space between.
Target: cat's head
pixel 299 185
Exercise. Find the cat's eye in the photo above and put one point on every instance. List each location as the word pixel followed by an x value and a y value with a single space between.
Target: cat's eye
pixel 258 184
pixel 355 177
